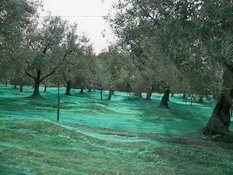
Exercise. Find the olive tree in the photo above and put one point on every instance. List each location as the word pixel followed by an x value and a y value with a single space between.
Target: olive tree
pixel 50 45
pixel 184 32
pixel 15 17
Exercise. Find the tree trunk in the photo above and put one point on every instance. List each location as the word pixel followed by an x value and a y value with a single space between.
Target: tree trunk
pixel 21 88
pixel 208 98
pixel 140 95
pixel 200 100
pixel 220 118
pixel 68 87
pixel 45 88
pixel 191 100
pixel 184 97
pixel 58 103
pixel 219 121
pixel 89 90
pixel 101 94
pixel 36 92
pixel 110 94
pixel 165 99
pixel 148 96
pixel 82 90
pixel 15 86
pixel 6 83
pixel 38 80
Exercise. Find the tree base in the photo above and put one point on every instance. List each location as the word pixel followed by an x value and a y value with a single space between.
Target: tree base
pixel 215 126
pixel 161 105
pixel 36 96
pixel 197 138
pixel 210 133
pixel 200 101
pixel 148 96
pixel 224 138
pixel 68 94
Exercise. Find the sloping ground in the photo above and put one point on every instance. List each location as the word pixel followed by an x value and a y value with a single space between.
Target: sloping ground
pixel 123 136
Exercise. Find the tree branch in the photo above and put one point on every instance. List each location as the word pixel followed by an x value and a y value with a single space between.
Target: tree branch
pixel 29 75
pixel 31 46
pixel 146 13
pixel 64 57
pixel 46 48
pixel 69 62
pixel 55 68
pixel 67 53
pixel 49 74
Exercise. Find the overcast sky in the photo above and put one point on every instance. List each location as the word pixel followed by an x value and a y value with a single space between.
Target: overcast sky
pixel 88 15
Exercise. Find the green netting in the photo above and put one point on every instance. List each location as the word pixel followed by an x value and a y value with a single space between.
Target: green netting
pixel 124 136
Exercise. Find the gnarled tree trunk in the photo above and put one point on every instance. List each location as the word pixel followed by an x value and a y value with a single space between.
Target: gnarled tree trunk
pixel 21 88
pixel 68 88
pixel 38 80
pixel 219 121
pixel 36 92
pixel 220 118
pixel 110 94
pixel 165 99
pixel 148 96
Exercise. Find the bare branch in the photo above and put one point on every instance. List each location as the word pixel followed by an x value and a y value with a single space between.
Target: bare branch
pixel 66 54
pixel 55 68
pixel 70 63
pixel 46 48
pixel 49 74
pixel 30 75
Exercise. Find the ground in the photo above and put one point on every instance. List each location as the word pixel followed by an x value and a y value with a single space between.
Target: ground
pixel 124 136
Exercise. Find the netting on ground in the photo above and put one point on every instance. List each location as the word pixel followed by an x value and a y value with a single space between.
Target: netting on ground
pixel 126 135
